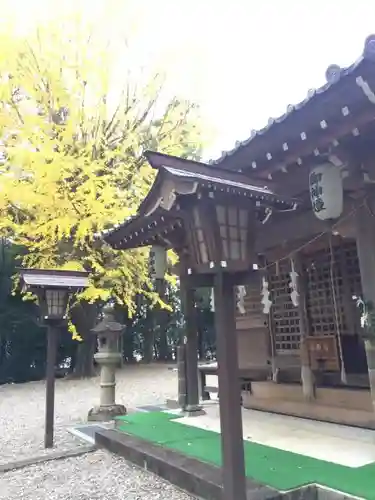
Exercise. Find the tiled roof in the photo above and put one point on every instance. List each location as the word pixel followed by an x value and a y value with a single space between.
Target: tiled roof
pixel 115 227
pixel 217 180
pixel 57 279
pixel 254 191
pixel 234 183
pixel 334 74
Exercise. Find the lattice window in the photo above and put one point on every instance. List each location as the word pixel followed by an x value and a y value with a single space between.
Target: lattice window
pixel 284 316
pixel 332 280
pixel 352 270
pixel 233 224
pixel 199 239
pixel 323 273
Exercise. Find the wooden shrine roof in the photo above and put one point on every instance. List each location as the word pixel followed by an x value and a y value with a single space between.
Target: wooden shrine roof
pixel 340 107
pixel 208 178
pixel 54 279
pixel 159 216
pixel 140 231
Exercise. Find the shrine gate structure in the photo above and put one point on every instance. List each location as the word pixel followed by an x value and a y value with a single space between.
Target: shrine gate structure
pixel 209 217
pixel 289 217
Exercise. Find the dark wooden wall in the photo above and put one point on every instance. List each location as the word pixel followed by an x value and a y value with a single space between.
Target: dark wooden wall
pixel 332 281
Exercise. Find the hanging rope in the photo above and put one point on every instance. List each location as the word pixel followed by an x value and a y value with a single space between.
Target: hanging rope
pixel 270 326
pixel 316 238
pixel 302 247
pixel 337 321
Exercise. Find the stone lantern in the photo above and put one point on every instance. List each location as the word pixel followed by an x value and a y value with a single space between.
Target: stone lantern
pixel 108 358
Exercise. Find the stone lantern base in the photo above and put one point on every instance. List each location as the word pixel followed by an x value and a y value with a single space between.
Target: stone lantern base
pixel 106 413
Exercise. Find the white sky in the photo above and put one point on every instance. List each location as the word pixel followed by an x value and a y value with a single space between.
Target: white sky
pixel 242 60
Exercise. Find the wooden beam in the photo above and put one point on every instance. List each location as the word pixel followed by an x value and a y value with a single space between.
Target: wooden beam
pixel 324 139
pixel 282 229
pixel 294 183
pixel 199 280
pixel 159 160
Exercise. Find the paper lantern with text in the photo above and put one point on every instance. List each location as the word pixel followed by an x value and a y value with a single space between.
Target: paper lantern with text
pixel 158 262
pixel 326 191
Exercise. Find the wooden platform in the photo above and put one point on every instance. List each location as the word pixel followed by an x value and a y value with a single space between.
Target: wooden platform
pixel 337 405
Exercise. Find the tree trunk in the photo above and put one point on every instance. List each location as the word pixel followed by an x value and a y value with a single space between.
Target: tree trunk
pixel 127 339
pixel 164 351
pixel 161 319
pixel 2 348
pixel 84 318
pixel 2 357
pixel 148 346
pixel 128 347
pixel 73 361
pixel 84 366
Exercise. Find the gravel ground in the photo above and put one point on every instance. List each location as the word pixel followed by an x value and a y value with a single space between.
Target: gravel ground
pixel 22 407
pixel 97 475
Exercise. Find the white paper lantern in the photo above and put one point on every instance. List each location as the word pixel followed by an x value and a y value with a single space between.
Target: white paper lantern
pixel 158 262
pixel 326 191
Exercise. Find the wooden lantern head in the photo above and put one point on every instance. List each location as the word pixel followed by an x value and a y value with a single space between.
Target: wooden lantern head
pixel 53 289
pixel 221 234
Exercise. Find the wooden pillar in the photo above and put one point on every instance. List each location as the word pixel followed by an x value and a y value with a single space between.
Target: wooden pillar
pixel 181 373
pixel 191 351
pixel 52 337
pixel 233 463
pixel 365 235
pixel 307 376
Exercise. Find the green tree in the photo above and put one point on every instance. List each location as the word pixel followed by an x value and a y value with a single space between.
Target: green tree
pixel 22 338
pixel 72 164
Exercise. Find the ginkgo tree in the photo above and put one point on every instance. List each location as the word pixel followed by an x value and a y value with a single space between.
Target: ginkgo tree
pixel 72 137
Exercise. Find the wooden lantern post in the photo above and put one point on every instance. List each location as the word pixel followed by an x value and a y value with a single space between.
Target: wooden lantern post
pixel 53 289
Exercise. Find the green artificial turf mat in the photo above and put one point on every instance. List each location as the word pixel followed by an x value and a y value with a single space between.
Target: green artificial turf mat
pixel 144 417
pixel 279 469
pixel 164 433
